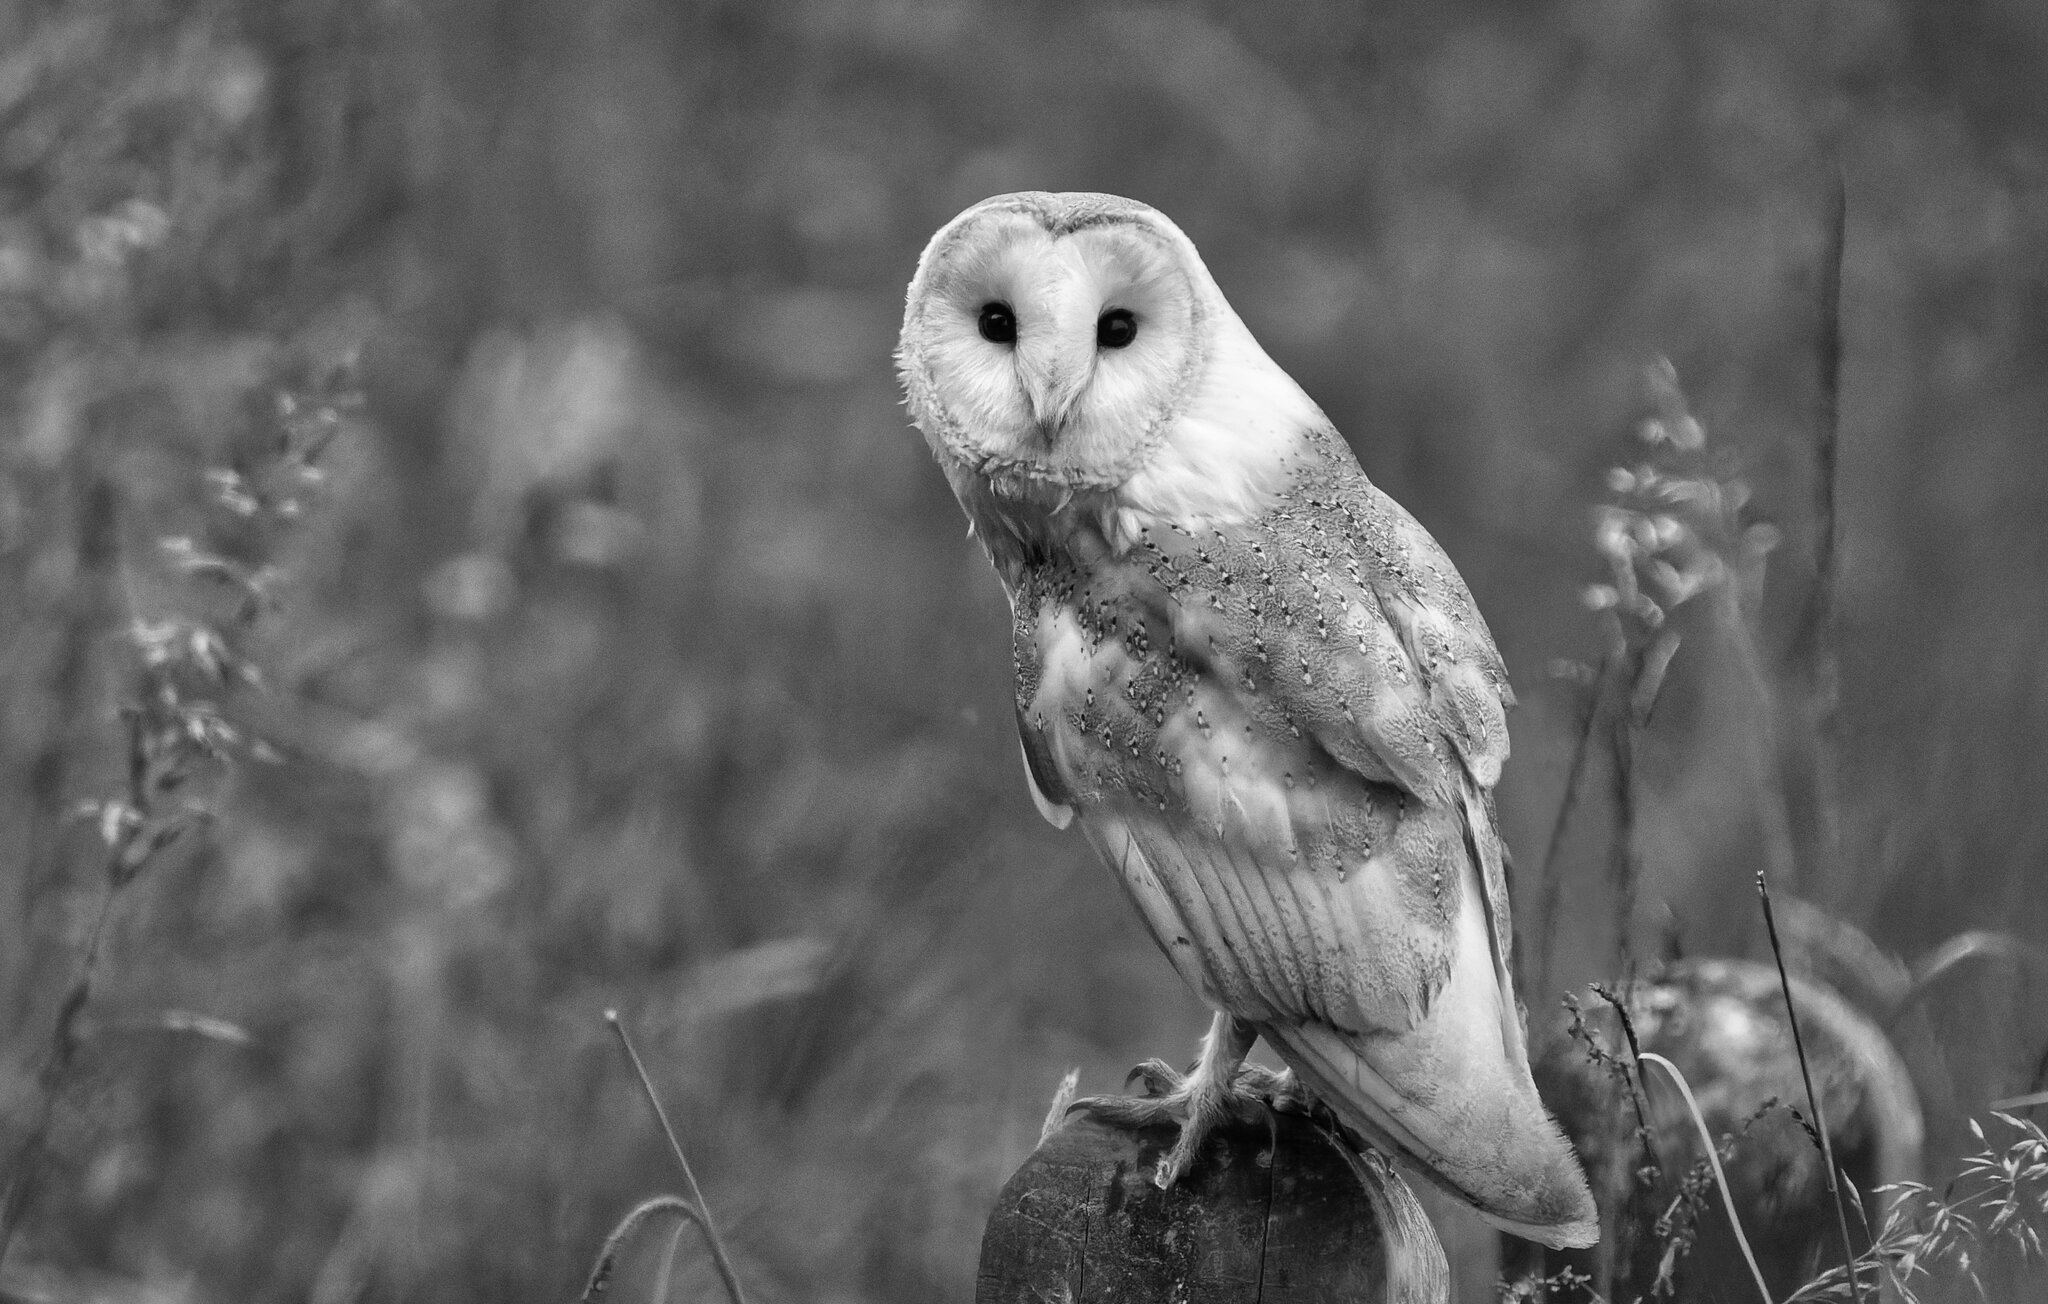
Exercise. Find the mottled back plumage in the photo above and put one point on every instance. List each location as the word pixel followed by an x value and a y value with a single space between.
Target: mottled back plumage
pixel 1256 681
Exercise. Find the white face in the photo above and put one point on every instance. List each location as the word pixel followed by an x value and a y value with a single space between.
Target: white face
pixel 1053 337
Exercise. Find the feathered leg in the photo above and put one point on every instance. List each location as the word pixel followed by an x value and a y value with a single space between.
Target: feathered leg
pixel 1221 1086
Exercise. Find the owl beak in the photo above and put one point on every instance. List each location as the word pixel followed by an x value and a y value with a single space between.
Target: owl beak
pixel 1053 386
pixel 1051 421
pixel 1056 353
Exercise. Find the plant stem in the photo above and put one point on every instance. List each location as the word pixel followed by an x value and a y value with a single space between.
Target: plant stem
pixel 1549 885
pixel 719 1258
pixel 1624 866
pixel 1820 1118
pixel 1824 668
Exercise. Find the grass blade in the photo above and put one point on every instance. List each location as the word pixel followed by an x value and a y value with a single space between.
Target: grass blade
pixel 702 1212
pixel 1819 1130
pixel 1714 1159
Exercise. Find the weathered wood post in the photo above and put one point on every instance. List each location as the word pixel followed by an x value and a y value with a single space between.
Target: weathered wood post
pixel 1274 1214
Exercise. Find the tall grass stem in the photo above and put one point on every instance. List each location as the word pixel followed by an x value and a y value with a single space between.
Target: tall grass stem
pixel 1813 1103
pixel 1546 871
pixel 1824 666
pixel 719 1258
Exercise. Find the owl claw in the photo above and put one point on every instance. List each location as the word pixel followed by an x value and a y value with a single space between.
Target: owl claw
pixel 1204 1116
pixel 1128 1111
pixel 1198 1104
pixel 1278 1090
pixel 1157 1076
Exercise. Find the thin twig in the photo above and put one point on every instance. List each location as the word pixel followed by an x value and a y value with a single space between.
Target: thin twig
pixel 1548 883
pixel 1638 680
pixel 1615 1176
pixel 1624 867
pixel 1629 1224
pixel 1825 668
pixel 1819 1130
pixel 719 1258
pixel 1714 1159
pixel 1632 1073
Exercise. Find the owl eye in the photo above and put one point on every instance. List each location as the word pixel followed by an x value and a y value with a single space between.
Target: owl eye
pixel 1116 328
pixel 997 323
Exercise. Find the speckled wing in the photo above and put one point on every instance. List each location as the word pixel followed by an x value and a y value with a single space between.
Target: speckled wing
pixel 1282 734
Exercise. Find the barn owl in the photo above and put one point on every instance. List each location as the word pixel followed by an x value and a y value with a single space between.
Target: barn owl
pixel 1253 679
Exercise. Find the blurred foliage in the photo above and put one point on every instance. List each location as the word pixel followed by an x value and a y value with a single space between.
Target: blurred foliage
pixel 631 653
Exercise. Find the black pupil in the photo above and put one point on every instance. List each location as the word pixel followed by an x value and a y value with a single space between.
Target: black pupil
pixel 1116 328
pixel 998 324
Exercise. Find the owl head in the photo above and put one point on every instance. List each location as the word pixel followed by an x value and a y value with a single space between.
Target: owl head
pixel 1077 342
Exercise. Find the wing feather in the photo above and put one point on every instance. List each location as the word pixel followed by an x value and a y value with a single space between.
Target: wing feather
pixel 1339 616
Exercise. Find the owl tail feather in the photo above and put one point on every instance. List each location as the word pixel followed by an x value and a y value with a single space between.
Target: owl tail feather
pixel 1452 1097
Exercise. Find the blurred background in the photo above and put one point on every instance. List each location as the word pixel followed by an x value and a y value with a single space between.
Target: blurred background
pixel 629 651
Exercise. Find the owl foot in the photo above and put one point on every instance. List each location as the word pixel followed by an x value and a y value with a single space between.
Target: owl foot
pixel 1277 1089
pixel 1157 1077
pixel 1220 1088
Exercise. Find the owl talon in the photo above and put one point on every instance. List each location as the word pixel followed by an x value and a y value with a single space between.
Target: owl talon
pixel 1187 1148
pixel 1280 1091
pixel 1127 1111
pixel 1157 1076
pixel 1197 1104
pixel 1206 1101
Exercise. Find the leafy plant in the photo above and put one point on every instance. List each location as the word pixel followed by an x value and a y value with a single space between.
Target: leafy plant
pixel 1998 1198
pixel 188 659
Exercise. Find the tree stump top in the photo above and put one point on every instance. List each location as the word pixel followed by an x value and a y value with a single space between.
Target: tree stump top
pixel 1280 1214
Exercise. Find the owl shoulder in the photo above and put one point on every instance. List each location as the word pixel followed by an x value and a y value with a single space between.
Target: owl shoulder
pixel 1340 606
pixel 1428 606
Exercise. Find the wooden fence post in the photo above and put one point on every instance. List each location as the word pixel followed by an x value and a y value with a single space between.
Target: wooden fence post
pixel 1273 1214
